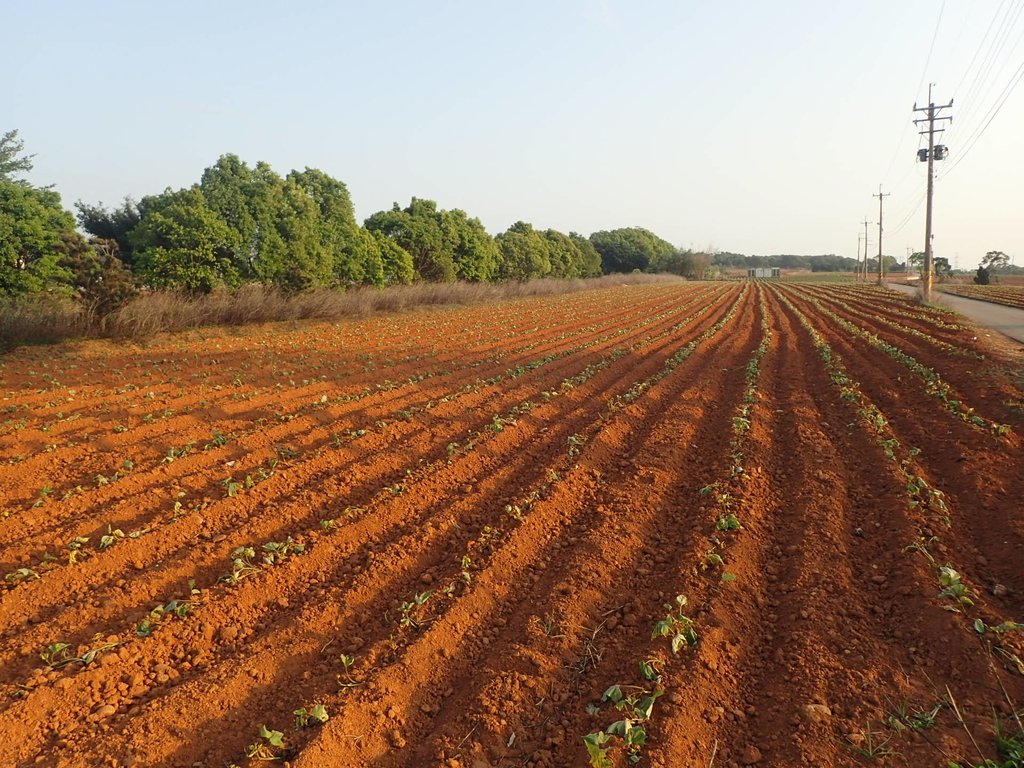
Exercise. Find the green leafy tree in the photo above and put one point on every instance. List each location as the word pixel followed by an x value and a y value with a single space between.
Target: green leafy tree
pixel 525 253
pixel 11 159
pixel 563 255
pixel 279 233
pixel 395 260
pixel 686 263
pixel 304 260
pixel 995 261
pixel 181 243
pixel 417 230
pixel 228 189
pixel 590 259
pixel 631 248
pixel 115 224
pixel 354 255
pixel 474 252
pixel 33 224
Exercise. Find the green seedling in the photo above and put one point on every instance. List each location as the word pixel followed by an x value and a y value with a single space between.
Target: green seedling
pixel 575 443
pixel 112 536
pixel 637 709
pixel 242 565
pixel 347 680
pixel 178 453
pixel 20 575
pixel 75 548
pixel 871 745
pixel 173 609
pixel 676 626
pixel 649 670
pixel 328 524
pixel 275 552
pixel 1007 626
pixel 953 587
pixel 231 486
pixel 57 655
pixel 269 746
pixel 408 610
pixel 315 715
pixel 728 522
pixel 218 440
pixel 286 453
pixel 914 719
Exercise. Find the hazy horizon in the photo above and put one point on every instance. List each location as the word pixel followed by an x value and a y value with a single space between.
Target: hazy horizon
pixel 744 127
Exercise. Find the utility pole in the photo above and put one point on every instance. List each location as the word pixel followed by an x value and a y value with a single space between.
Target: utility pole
pixel 866 222
pixel 880 196
pixel 935 152
pixel 860 239
pixel 906 266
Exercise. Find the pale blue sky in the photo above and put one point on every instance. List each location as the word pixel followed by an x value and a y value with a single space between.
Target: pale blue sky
pixel 749 126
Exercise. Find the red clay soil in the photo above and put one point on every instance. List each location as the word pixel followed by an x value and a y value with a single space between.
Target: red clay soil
pixel 466 526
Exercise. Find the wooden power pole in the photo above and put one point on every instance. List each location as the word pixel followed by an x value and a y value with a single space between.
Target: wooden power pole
pixel 860 239
pixel 866 222
pixel 881 272
pixel 935 152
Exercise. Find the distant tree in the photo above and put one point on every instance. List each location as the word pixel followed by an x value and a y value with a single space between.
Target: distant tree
pixel 590 259
pixel 33 224
pixel 525 253
pixel 941 267
pixel 474 252
pixel 995 261
pixel 98 276
pixel 114 224
pixel 631 248
pixel 304 260
pixel 354 256
pixel 417 230
pixel 564 255
pixel 983 277
pixel 395 260
pixel 181 243
pixel 11 147
pixel 285 232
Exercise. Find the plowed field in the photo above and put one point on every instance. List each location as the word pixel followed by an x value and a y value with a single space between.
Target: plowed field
pixel 785 521
pixel 1010 295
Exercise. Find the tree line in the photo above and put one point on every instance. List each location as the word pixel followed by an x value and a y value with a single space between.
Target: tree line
pixel 249 224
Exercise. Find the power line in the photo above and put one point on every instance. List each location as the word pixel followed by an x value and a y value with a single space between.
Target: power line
pixel 987 70
pixel 906 220
pixel 924 72
pixel 978 49
pixel 973 139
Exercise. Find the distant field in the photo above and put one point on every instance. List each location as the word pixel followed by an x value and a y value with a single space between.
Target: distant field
pixel 818 277
pixel 1010 295
pixel 739 523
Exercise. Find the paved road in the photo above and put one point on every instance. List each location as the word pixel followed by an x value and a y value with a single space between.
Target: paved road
pixel 1008 321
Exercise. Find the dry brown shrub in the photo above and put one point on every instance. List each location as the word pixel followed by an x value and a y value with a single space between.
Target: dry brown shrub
pixel 46 319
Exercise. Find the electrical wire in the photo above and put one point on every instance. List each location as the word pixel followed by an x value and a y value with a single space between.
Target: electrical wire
pixel 924 72
pixel 966 97
pixel 987 71
pixel 973 139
